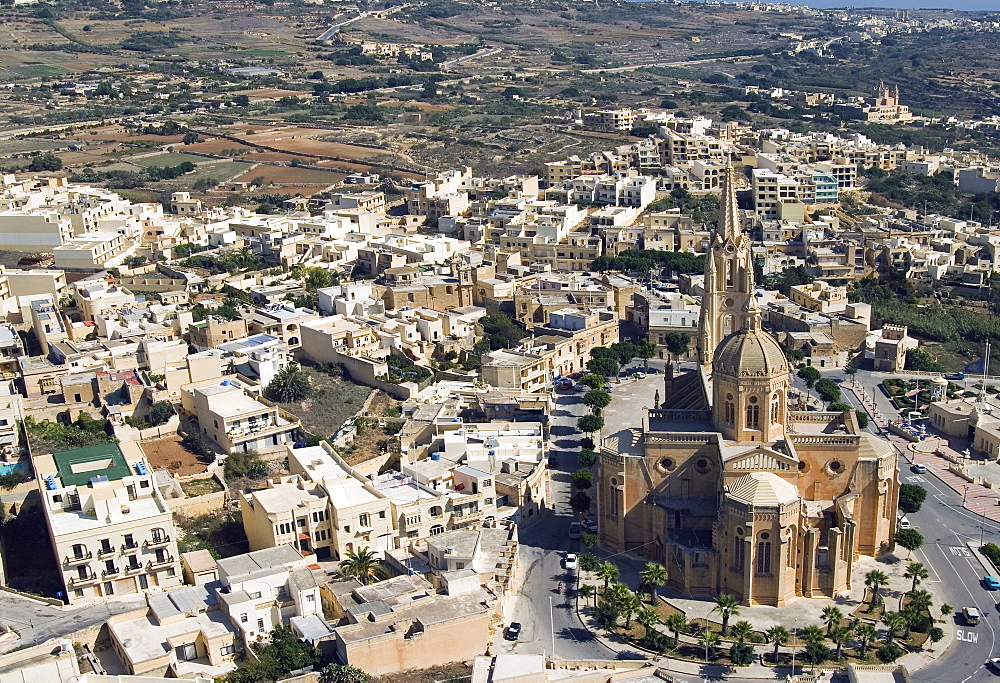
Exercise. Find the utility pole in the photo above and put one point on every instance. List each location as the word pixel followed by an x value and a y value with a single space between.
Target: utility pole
pixel 552 628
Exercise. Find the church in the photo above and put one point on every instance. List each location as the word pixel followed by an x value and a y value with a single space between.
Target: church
pixel 724 483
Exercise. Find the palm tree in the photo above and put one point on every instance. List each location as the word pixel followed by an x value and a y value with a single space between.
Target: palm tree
pixel 921 601
pixel 876 579
pixel 677 622
pixel 362 565
pixel 652 576
pixel 647 618
pixel 916 571
pixel 813 635
pixel 946 609
pixel 740 631
pixel 865 633
pixel 629 602
pixel 839 635
pixel 910 615
pixel 727 606
pixel 894 621
pixel 609 572
pixel 586 590
pixel 832 616
pixel 778 636
pixel 709 639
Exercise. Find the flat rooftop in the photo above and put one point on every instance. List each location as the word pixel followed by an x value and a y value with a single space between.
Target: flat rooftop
pixel 79 465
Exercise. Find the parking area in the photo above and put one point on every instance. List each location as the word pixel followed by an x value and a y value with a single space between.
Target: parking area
pixel 630 397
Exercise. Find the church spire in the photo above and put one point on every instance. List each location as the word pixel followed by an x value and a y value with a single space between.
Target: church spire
pixel 730 219
pixel 752 315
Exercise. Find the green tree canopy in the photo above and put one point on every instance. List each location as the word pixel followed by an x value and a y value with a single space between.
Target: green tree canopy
pixel 289 384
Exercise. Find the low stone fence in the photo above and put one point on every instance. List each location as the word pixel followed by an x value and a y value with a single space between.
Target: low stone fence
pixel 31 596
pixel 199 505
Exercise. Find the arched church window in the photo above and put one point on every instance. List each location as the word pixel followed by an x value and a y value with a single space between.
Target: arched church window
pixel 730 409
pixel 727 325
pixel 764 555
pixel 753 414
pixel 738 551
pixel 730 273
pixel 775 408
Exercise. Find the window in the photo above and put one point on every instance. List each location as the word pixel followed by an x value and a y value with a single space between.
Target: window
pixel 730 410
pixel 158 535
pixel 109 588
pixel 260 625
pixel 775 407
pixel 487 483
pixel 412 519
pixel 381 514
pixel 364 520
pixel 459 565
pixel 228 650
pixel 310 597
pixel 437 529
pixel 144 484
pixel 79 551
pixel 301 521
pixel 753 414
pixel 77 592
pixel 186 652
pixel 256 595
pixel 171 571
pixel 738 554
pixel 488 501
pixel 244 618
pixel 436 511
pixel 764 555
pixel 284 528
pixel 105 545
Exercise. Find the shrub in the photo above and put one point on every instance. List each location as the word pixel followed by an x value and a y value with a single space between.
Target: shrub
pixel 245 465
pixel 587 443
pixel 816 653
pixel 588 562
pixel 160 413
pixel 198 443
pixel 11 479
pixel 742 654
pixel 587 457
pixel 992 552
pixel 889 652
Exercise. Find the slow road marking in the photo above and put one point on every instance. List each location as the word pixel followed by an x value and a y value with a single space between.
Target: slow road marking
pixel 967 636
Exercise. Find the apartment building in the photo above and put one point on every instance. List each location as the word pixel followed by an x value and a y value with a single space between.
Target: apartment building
pixel 283 321
pixel 214 331
pixel 611 120
pixel 821 297
pixel 111 531
pixel 237 420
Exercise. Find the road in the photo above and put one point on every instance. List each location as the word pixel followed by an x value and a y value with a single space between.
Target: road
pixel 955 578
pixel 543 547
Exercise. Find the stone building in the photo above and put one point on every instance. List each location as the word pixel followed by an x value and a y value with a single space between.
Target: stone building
pixel 726 485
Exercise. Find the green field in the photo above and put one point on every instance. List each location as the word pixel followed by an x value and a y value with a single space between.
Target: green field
pixel 38 70
pixel 30 145
pixel 220 172
pixel 168 159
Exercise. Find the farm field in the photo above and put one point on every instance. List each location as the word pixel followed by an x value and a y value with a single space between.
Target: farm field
pixel 289 175
pixel 168 159
pixel 216 173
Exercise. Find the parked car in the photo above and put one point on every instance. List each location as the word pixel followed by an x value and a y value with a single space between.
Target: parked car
pixel 904 523
pixel 574 530
pixel 607 388
pixel 971 615
pixel 570 562
pixel 590 525
pixel 553 461
pixel 991 582
pixel 513 631
pixel 993 664
pixel 918 468
pixel 956 376
pixel 640 375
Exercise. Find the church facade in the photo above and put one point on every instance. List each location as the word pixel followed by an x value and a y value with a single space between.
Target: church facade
pixel 727 486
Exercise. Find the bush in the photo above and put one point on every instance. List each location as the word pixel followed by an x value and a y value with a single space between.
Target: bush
pixel 742 654
pixel 816 653
pixel 587 457
pixel 863 419
pixel 588 562
pixel 11 479
pixel 245 465
pixel 160 413
pixel 992 552
pixel 582 479
pixel 911 497
pixel 889 652
pixel 198 443
pixel 587 443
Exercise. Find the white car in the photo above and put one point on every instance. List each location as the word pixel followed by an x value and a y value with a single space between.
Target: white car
pixel 570 562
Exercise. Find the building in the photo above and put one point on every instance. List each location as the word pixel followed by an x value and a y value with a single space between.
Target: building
pixel 725 484
pixel 237 420
pixel 891 348
pixel 111 530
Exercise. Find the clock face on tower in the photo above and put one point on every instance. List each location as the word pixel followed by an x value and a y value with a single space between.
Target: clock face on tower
pixel 729 303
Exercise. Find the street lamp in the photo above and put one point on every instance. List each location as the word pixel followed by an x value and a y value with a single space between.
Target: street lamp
pixel 965 497
pixel 795 630
pixel 552 628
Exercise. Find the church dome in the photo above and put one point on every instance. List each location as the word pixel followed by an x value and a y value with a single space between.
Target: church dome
pixel 751 353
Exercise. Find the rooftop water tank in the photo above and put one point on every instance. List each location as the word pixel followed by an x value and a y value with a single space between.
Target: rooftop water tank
pixel 435 456
pixel 225 382
pixel 50 483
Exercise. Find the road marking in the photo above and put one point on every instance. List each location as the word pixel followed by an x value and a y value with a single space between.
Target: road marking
pixel 916 479
pixel 966 636
pixel 961 552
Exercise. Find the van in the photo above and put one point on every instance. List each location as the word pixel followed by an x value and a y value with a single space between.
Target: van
pixel 971 615
pixel 904 523
pixel 574 530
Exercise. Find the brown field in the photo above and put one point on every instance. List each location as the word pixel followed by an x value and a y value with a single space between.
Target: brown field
pixel 271 156
pixel 289 175
pixel 216 146
pixel 169 454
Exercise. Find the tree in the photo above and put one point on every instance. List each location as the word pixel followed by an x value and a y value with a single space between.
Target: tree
pixel 894 622
pixel 921 601
pixel 586 591
pixel 890 652
pixel 920 360
pixel 875 579
pixel 629 602
pixel 647 618
pixel 828 390
pixel 653 576
pixel 865 634
pixel 911 539
pixel 832 616
pixel 597 400
pixel 580 502
pixel 911 497
pixel 607 572
pixel 741 630
pixel 777 636
pixel 936 634
pixel 593 381
pixel 946 609
pixel 289 384
pixel 606 614
pixel 159 413
pixel 241 101
pixel 604 365
pixel 813 635
pixel 816 653
pixel 198 443
pixel 589 540
pixel 588 562
pixel 645 350
pixel 501 332
pixel 863 418
pixel 590 423
pixel 677 344
pixel 582 479
pixel 911 615
pixel 362 565
pixel 727 605
pixel 676 622
pixel 190 138
pixel 342 673
pixel 839 636
pixel 243 464
pixel 810 376
pixel 917 572
pixel 587 457
pixel 282 655
pixel 11 480
pixel 709 639
pixel 45 162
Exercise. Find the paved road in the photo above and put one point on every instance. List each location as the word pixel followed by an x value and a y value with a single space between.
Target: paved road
pixel 543 547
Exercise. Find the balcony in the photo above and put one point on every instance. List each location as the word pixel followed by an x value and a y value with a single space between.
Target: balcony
pixel 154 563
pixel 82 580
pixel 78 559
pixel 155 542
pixel 132 569
pixel 129 547
pixel 114 571
pixel 104 552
